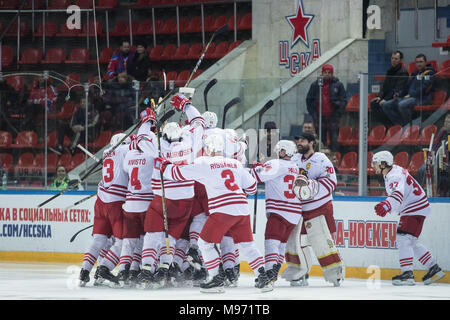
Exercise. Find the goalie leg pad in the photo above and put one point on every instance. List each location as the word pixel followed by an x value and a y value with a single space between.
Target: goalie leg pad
pixel 326 252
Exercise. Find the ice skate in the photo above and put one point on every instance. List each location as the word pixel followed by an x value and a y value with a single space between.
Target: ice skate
pixel 263 282
pixel 122 278
pixel 434 274
pixel 199 276
pixel 214 285
pixel 404 279
pixel 84 278
pixel 161 277
pixel 133 279
pixel 176 276
pixel 301 282
pixel 144 278
pixel 193 257
pixel 230 276
pixel 98 281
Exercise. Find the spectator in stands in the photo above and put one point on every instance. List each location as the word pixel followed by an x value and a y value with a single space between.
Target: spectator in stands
pixel 79 123
pixel 120 98
pixel 333 104
pixel 393 84
pixel 140 63
pixel 61 181
pixel 308 126
pixel 39 99
pixel 119 61
pixel 444 172
pixel 417 91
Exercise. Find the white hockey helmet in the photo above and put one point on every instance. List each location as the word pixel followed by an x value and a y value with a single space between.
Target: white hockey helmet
pixel 231 134
pixel 214 143
pixel 385 156
pixel 172 132
pixel 115 139
pixel 288 146
pixel 210 119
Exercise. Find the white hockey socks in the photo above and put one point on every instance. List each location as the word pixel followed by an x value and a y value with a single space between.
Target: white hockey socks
pixel 90 256
pixel 112 258
pixel 252 255
pixel 227 252
pixel 152 243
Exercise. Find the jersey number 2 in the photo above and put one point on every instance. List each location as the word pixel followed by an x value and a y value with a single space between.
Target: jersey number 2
pixel 229 180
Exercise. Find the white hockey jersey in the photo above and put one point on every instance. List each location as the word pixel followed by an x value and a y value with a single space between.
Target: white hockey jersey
pixel 139 166
pixel 225 180
pixel 320 168
pixel 278 176
pixel 181 153
pixel 405 195
pixel 113 186
pixel 146 140
pixel 233 148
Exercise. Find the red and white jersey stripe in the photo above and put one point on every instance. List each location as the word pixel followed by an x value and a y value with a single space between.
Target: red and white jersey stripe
pixel 113 186
pixel 405 194
pixel 139 167
pixel 278 176
pixel 320 168
pixel 226 182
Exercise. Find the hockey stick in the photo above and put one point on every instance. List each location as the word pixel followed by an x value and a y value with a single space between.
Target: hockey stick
pixel 80 201
pixel 92 156
pixel 428 155
pixel 205 92
pixel 231 103
pixel 266 107
pixel 91 170
pixel 76 234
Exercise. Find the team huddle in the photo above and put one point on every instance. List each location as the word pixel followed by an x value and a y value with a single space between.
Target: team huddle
pixel 172 210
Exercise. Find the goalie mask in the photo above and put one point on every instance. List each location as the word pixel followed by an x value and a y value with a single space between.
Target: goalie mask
pixel 210 119
pixel 115 139
pixel 288 146
pixel 213 143
pixel 172 132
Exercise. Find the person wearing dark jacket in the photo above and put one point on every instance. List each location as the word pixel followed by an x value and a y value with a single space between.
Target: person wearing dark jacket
pixel 333 105
pixel 395 81
pixel 417 91
pixel 140 63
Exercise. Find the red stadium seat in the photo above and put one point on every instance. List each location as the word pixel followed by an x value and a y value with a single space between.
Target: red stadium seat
pixel 105 55
pixel 142 3
pixel 184 23
pixel 25 161
pixel 66 32
pixel 181 52
pixel 25 139
pixel 197 73
pixel 25 29
pixel 211 49
pixel 58 4
pixel 230 22
pixel 52 140
pixel 426 133
pixel 144 28
pixel 376 136
pixel 92 29
pixel 39 162
pixel 246 22
pixel 6 161
pixel 9 4
pixel 169 27
pixel 417 160
pixel 219 22
pixel 444 70
pixel 51 29
pixel 195 51
pixel 67 111
pixel 349 163
pixel 402 159
pixel 17 82
pixel 354 140
pixel 83 4
pixel 393 135
pixel 76 160
pixel 411 67
pixel 78 56
pixel 438 101
pixel 7 56
pixel 172 75
pixel 107 4
pixel 156 52
pixel 102 140
pixel 31 56
pixel 5 139
pixel 54 56
pixel 345 135
pixel 64 160
pixel 410 135
pixel 182 78
pixel 234 45
pixel 353 104
pixel 370 169
pixel 168 51
pixel 221 50
pixel 71 80
pixel 195 25
pixel 122 28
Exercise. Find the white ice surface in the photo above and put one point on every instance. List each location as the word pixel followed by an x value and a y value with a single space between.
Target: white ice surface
pixel 57 281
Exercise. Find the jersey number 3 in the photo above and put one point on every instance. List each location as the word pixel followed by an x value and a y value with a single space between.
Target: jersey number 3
pixel 108 164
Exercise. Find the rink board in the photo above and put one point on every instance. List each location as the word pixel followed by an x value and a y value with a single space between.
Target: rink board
pixel 29 233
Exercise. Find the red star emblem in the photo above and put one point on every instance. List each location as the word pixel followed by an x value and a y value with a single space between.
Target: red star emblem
pixel 299 23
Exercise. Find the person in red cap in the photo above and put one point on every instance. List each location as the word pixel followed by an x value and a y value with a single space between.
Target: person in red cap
pixel 333 105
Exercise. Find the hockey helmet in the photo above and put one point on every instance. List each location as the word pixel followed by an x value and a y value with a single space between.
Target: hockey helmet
pixel 385 156
pixel 288 146
pixel 115 139
pixel 172 132
pixel 214 143
pixel 210 119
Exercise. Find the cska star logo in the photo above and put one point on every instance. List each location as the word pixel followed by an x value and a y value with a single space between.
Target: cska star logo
pixel 299 23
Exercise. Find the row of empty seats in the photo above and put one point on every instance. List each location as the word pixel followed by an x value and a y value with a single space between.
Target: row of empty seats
pixel 348 163
pixel 87 4
pixel 395 135
pixel 438 100
pixel 34 56
pixel 122 28
pixel 28 161
pixel 28 139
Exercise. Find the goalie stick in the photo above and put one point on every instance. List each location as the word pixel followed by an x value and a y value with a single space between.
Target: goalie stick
pixel 205 92
pixel 266 107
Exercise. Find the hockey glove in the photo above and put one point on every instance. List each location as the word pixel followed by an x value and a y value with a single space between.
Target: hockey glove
pixel 148 115
pixel 180 102
pixel 382 208
pixel 161 164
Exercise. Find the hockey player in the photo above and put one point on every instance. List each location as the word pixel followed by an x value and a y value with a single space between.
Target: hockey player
pixel 227 184
pixel 139 167
pixel 407 198
pixel 283 208
pixel 108 216
pixel 181 147
pixel 314 186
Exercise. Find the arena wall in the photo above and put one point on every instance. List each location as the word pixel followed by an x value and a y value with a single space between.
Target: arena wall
pixel 366 242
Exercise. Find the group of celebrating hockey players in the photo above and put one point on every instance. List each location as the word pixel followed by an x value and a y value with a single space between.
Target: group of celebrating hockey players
pixel 172 209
